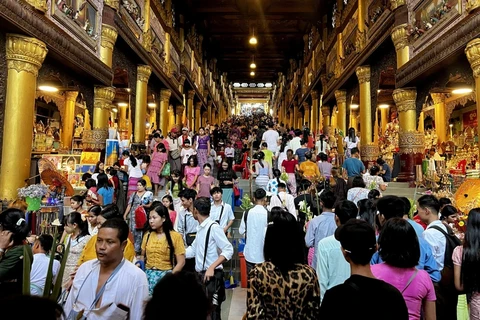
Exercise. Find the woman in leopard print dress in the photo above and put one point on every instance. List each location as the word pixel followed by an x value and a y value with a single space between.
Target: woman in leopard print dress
pixel 284 286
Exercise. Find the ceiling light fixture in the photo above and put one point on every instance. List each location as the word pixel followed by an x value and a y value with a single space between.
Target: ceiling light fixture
pixel 253 39
pixel 253 65
pixel 354 106
pixel 252 73
pixel 50 83
pixel 383 106
pixel 122 104
pixel 114 110
pixel 462 90
pixel 459 85
pixel 151 104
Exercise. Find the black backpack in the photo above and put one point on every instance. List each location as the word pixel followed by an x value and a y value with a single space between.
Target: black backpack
pixel 451 243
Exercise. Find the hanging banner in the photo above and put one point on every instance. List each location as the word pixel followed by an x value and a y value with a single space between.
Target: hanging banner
pixel 470 119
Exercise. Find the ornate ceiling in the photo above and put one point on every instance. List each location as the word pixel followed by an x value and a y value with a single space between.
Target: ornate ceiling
pixel 279 26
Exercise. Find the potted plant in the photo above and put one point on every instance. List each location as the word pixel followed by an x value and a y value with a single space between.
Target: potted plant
pixel 33 195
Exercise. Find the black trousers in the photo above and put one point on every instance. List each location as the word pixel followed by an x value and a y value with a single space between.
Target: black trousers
pixel 215 290
pixel 447 300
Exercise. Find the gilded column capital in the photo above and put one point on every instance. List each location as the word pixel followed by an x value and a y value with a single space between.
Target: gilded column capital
pixel 40 5
pixel 209 103
pixel 363 74
pixel 143 73
pixel 165 95
pixel 472 51
pixel 306 106
pixel 181 79
pixel 438 97
pixel 325 111
pixel 394 4
pixel 405 99
pixel 472 5
pixel 341 96
pixel 179 109
pixel 400 36
pixel 24 53
pixel 71 96
pixel 198 105
pixel 114 4
pixel 191 94
pixel 103 97
pixel 314 94
pixel 109 36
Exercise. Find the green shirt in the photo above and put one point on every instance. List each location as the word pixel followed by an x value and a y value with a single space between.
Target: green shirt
pixel 11 270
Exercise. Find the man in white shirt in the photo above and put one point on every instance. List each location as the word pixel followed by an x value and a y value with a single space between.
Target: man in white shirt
pixel 41 260
pixel 221 212
pixel 254 226
pixel 332 268
pixel 284 200
pixel 321 226
pixel 270 137
pixel 296 142
pixel 187 225
pixel 210 249
pixel 109 287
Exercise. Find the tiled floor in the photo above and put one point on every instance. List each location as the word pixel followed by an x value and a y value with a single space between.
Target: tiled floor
pixel 234 306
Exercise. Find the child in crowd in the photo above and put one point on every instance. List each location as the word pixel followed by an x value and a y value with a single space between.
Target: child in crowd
pixel 272 185
pixel 191 172
pixel 186 153
pixel 268 154
pixel 205 182
pixel 173 188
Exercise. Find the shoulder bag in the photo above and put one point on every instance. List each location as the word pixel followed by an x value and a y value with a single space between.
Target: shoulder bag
pixel 189 237
pixel 215 287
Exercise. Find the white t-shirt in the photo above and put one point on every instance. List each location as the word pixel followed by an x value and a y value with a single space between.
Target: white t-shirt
pixel 186 153
pixel 325 149
pixel 351 144
pixel 133 172
pixel 270 137
pixel 295 143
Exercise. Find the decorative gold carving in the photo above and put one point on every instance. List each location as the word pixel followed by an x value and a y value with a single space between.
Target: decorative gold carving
pixel 109 36
pixel 94 139
pixel 400 36
pixel 411 142
pixel 143 73
pixel 325 111
pixel 360 40
pixel 472 5
pixel 405 99
pixel 25 54
pixel 179 109
pixel 363 74
pixel 338 68
pixel 472 51
pixel 191 94
pixel 71 96
pixel 437 98
pixel 165 95
pixel 369 152
pixel 394 4
pixel 314 94
pixel 450 105
pixel 103 97
pixel 40 5
pixel 341 96
pixel 114 4
pixel 198 105
pixel 147 40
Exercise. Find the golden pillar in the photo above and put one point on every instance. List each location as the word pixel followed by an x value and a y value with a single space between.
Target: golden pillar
pixel 314 118
pixel 440 116
pixel 204 119
pixel 411 142
pixel 361 38
pixel 122 118
pixel 164 102
pixel 384 119
pixel 171 118
pixel 325 119
pixel 152 117
pixel 400 41
pixel 24 58
pixel 147 33
pixel 421 122
pixel 341 97
pixel 107 42
pixel 143 74
pixel 334 119
pixel 68 118
pixel 190 112
pixel 198 106
pixel 209 112
pixel 473 55
pixel 102 101
pixel 296 114
pixel 179 111
pixel 353 120
pixel 363 74
pixel 306 118
pixel 220 111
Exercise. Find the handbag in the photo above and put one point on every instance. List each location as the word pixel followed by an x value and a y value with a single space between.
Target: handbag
pixel 175 154
pixel 236 192
pixel 166 170
pixel 140 217
pixel 189 237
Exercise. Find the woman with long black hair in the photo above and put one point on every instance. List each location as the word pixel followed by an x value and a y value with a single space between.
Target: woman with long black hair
pixel 466 260
pixel 263 171
pixel 163 250
pixel 351 141
pixel 134 170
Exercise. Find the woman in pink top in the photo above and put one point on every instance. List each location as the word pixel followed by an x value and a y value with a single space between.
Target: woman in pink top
pixel 205 182
pixel 191 172
pixel 157 162
pixel 400 251
pixel 466 260
pixel 167 201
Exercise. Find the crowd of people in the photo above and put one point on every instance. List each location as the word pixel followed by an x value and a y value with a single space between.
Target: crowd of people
pixel 155 230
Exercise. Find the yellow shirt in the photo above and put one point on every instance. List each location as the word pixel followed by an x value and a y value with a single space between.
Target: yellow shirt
pixel 310 169
pixel 89 252
pixel 157 252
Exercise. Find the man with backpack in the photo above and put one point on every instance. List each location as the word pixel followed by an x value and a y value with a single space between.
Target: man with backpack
pixel 442 244
pixel 254 226
pixel 284 200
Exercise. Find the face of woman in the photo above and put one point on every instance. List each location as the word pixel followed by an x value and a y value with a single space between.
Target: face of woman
pixel 92 220
pixel 191 162
pixel 201 132
pixel 206 170
pixel 101 166
pixel 166 202
pixel 100 220
pixel 140 187
pixel 224 166
pixel 452 218
pixel 175 178
pixel 69 228
pixel 155 220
